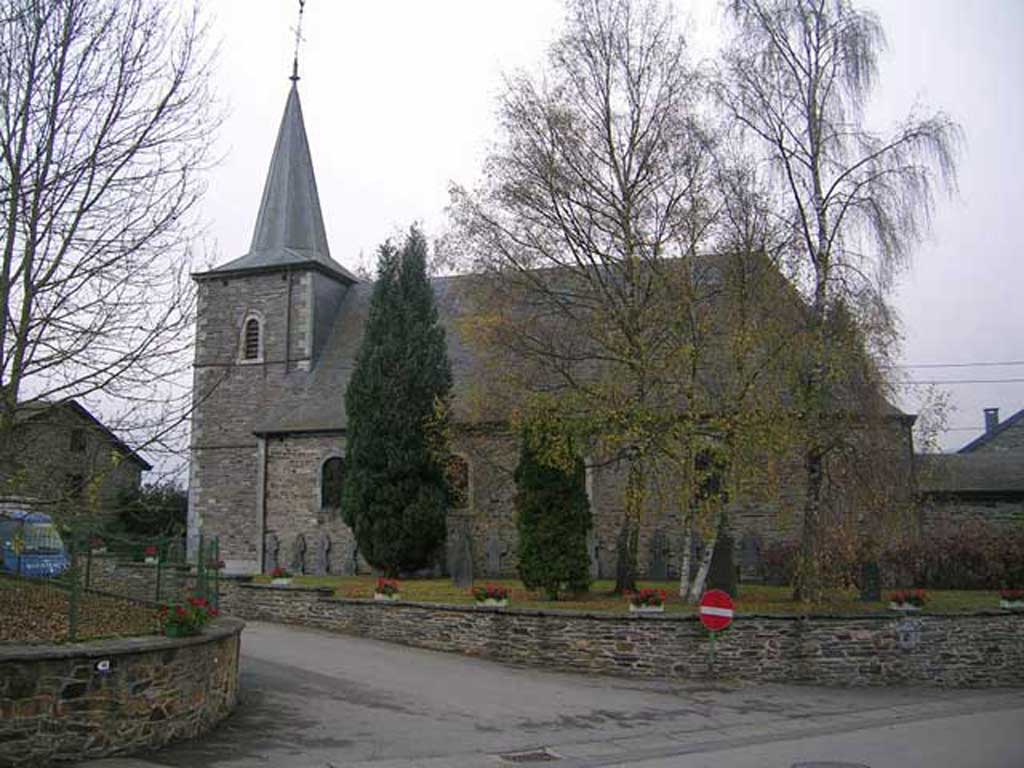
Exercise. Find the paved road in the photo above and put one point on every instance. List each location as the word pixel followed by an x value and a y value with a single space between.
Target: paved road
pixel 315 699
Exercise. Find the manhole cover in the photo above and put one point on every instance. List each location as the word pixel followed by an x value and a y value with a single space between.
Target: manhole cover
pixel 534 756
pixel 829 765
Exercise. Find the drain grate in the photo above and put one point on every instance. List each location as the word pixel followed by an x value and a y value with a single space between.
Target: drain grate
pixel 533 756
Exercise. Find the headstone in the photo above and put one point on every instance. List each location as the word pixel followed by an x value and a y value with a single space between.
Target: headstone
pixel 870 582
pixel 593 552
pixel 722 573
pixel 298 563
pixel 750 555
pixel 496 550
pixel 460 555
pixel 659 562
pixel 270 548
pixel 322 564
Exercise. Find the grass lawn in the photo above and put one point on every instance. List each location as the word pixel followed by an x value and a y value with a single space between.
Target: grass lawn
pixel 37 612
pixel 752 599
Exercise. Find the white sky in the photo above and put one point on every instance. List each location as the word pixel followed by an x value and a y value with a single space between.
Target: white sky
pixel 399 100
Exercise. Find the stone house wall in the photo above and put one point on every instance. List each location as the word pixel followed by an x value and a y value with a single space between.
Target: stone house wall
pixel 84 475
pixel 1009 440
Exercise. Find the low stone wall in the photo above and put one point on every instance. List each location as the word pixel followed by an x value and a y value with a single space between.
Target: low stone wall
pixel 88 700
pixel 979 650
pixel 140 580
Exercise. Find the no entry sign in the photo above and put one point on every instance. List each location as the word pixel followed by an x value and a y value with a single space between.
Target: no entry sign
pixel 716 610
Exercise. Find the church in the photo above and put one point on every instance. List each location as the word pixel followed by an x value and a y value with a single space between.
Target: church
pixel 277 333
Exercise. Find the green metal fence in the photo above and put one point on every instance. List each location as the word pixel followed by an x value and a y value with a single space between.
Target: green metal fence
pixel 68 582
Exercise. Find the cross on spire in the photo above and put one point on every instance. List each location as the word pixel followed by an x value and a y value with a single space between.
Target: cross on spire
pixel 298 40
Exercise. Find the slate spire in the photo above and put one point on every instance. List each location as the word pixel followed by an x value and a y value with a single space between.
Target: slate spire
pixel 289 227
pixel 290 214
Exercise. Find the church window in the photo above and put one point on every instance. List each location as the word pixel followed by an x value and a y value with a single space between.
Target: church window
pixel 458 481
pixel 251 341
pixel 332 478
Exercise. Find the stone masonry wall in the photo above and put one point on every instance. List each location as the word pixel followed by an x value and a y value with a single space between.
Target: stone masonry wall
pixel 57 703
pixel 979 650
pixel 1010 440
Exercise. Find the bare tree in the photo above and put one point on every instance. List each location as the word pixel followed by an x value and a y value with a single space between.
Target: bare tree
pixel 600 299
pixel 796 78
pixel 105 126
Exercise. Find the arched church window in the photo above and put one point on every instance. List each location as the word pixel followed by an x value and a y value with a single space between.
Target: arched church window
pixel 251 339
pixel 332 477
pixel 458 481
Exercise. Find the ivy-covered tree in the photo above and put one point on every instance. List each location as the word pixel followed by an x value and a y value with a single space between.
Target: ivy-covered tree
pixel 395 494
pixel 552 516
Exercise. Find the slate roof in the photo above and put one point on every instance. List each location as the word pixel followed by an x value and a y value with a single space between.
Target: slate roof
pixel 1017 418
pixel 314 401
pixel 972 473
pixel 290 226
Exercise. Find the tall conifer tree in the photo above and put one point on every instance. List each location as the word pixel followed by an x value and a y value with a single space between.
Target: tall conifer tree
pixel 553 518
pixel 395 493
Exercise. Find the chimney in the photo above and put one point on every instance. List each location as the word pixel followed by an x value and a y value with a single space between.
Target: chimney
pixel 991 420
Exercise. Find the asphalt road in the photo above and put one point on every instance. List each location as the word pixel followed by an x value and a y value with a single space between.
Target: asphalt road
pixel 315 699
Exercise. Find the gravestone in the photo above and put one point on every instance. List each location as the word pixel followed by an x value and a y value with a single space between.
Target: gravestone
pixel 460 555
pixel 870 582
pixel 496 550
pixel 593 552
pixel 750 556
pixel 722 573
pixel 271 545
pixel 322 564
pixel 659 562
pixel 298 563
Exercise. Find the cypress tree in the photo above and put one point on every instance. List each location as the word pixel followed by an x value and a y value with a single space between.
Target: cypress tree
pixel 553 518
pixel 395 492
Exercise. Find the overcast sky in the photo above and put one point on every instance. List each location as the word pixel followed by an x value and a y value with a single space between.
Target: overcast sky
pixel 399 100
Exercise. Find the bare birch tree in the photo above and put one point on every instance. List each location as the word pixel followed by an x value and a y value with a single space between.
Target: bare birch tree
pixel 796 77
pixel 105 126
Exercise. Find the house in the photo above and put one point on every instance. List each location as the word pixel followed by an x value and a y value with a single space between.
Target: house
pixel 982 483
pixel 276 338
pixel 65 457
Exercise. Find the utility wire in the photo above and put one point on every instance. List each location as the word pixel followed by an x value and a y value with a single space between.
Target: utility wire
pixel 984 364
pixel 966 381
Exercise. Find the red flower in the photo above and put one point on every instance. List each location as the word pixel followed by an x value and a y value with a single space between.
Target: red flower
pixel 150 551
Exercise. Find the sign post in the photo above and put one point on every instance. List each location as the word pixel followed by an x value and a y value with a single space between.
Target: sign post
pixel 716 611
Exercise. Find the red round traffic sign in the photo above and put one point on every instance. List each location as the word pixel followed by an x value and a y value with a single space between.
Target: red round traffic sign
pixel 716 610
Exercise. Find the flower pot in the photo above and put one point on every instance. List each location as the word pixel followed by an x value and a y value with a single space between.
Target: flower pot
pixel 149 560
pixel 177 630
pixel 1012 605
pixel 904 607
pixel 646 608
pixel 385 598
pixel 491 602
pixel 281 582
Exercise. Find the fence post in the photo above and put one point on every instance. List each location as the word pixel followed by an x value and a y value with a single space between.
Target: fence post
pixel 159 566
pixel 200 587
pixel 216 573
pixel 88 565
pixel 73 595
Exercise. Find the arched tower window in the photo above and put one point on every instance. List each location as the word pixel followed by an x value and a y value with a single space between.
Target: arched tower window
pixel 458 481
pixel 332 477
pixel 252 340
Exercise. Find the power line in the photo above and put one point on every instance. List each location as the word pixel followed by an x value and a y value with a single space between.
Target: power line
pixel 967 381
pixel 982 364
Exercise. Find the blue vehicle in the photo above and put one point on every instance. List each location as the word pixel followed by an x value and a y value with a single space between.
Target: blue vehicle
pixel 30 545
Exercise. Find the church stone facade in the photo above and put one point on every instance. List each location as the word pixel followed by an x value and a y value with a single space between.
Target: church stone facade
pixel 277 334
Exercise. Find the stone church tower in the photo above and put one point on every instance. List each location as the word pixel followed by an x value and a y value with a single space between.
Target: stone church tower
pixel 262 322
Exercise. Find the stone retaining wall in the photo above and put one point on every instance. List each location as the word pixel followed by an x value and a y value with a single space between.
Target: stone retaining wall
pixel 979 650
pixel 88 700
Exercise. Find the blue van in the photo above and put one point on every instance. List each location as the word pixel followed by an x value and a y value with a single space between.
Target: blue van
pixel 30 545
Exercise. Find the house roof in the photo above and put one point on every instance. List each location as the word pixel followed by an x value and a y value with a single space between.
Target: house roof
pixel 34 409
pixel 978 442
pixel 289 228
pixel 971 473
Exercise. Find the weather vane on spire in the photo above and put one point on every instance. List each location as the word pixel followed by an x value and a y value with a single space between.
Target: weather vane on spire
pixel 298 40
